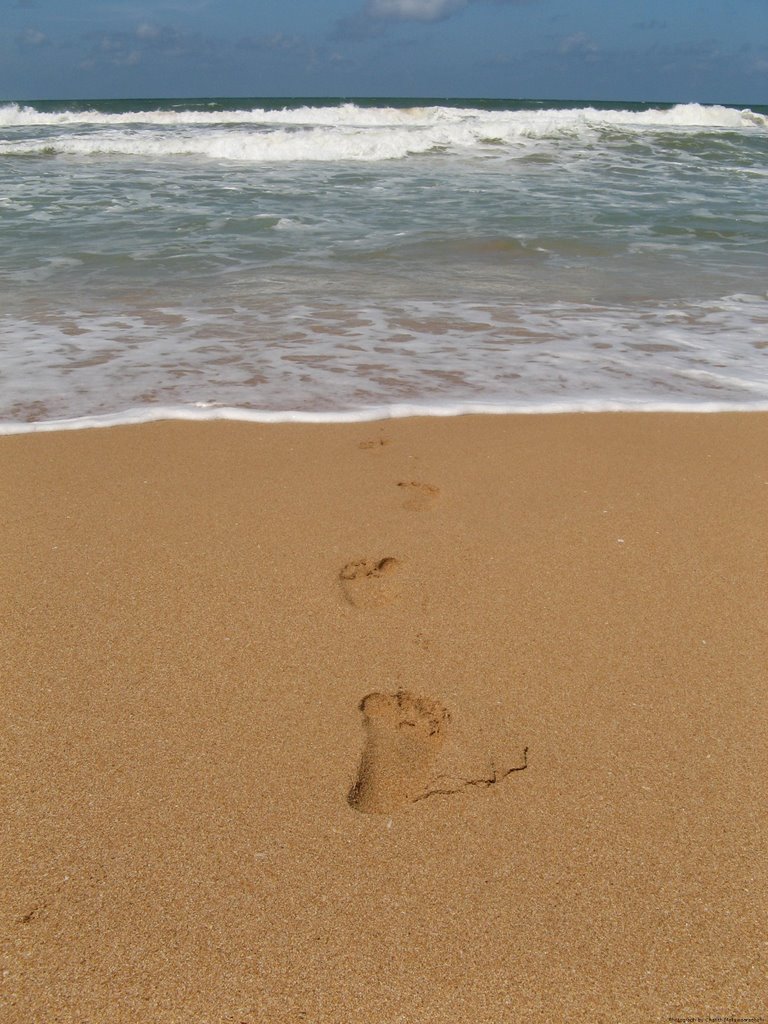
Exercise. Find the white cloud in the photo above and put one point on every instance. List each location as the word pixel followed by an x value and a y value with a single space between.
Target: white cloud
pixel 146 44
pixel 277 42
pixel 371 18
pixel 579 43
pixel 33 37
pixel 414 10
pixel 650 25
pixel 148 31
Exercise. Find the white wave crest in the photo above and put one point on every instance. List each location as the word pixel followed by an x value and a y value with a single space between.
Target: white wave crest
pixel 13 114
pixel 345 133
pixel 541 121
pixel 278 145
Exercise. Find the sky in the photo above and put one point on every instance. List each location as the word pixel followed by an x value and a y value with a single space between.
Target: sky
pixel 709 51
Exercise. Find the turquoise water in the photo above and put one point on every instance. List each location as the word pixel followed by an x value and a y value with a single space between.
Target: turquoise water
pixel 333 258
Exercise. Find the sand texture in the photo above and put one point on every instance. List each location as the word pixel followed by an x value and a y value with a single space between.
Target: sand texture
pixel 418 721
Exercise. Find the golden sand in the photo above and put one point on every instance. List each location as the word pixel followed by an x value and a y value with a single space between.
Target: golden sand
pixel 550 808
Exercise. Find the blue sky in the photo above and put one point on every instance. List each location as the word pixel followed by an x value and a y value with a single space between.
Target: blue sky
pixel 684 50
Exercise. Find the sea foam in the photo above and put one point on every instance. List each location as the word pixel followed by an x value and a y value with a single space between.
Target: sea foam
pixel 344 133
pixel 352 261
pixel 329 361
pixel 193 414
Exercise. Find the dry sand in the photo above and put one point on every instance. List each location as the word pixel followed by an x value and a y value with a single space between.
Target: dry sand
pixel 191 617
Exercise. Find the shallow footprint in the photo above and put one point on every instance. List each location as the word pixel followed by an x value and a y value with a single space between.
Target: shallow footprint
pixel 369 583
pixel 404 734
pixel 377 442
pixel 418 495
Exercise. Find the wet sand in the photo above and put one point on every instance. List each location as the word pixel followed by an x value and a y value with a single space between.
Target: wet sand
pixel 550 808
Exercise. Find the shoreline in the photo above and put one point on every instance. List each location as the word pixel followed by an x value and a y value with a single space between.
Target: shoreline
pixel 195 612
pixel 374 414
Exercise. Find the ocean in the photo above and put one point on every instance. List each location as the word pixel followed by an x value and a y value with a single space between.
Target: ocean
pixel 334 259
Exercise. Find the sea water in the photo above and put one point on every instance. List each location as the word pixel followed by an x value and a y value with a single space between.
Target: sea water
pixel 331 259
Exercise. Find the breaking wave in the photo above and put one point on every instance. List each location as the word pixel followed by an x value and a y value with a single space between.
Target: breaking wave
pixel 344 132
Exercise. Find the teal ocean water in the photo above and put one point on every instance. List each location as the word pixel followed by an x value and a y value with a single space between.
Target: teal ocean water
pixel 332 259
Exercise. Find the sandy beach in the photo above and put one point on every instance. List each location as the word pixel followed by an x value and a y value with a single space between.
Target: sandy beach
pixel 550 807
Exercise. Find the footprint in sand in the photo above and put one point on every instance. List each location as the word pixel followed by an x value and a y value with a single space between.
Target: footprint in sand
pixel 418 496
pixel 377 442
pixel 404 735
pixel 370 583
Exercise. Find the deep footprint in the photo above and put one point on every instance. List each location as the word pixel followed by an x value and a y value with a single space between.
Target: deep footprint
pixel 369 583
pixel 404 734
pixel 419 496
